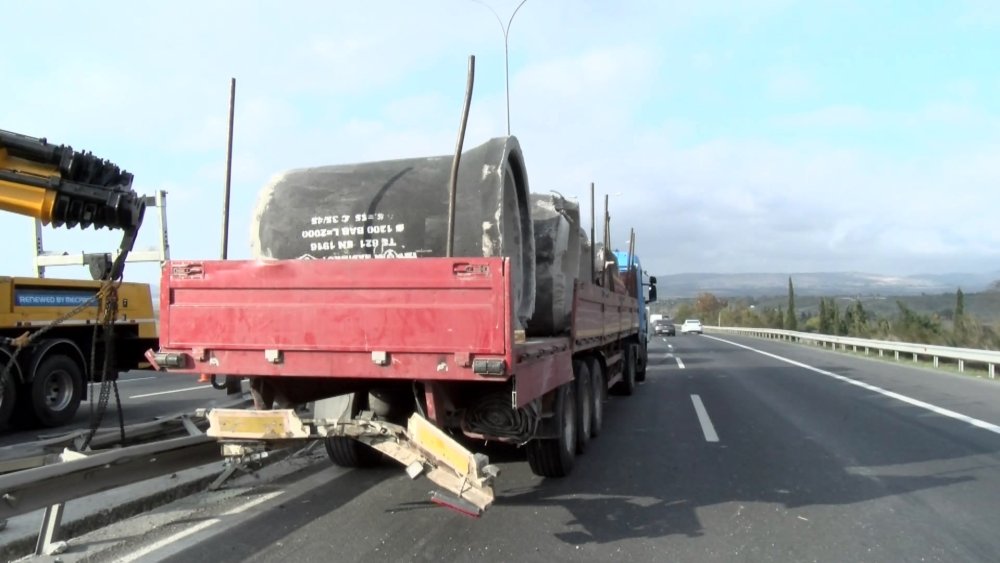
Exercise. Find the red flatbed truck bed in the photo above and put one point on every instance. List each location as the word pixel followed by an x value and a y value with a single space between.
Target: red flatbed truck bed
pixel 302 330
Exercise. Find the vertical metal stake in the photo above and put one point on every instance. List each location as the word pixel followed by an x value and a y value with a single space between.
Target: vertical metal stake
pixel 51 521
pixel 608 278
pixel 229 171
pixel 453 187
pixel 593 239
pixel 631 248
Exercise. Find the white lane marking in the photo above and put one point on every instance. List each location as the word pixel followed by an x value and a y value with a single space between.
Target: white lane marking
pixel 706 423
pixel 206 386
pixel 135 379
pixel 680 364
pixel 892 394
pixel 196 528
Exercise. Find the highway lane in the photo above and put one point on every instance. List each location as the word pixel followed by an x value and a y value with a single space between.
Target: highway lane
pixel 736 455
pixel 145 395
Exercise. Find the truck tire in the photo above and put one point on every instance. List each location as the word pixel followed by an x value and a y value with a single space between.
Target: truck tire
pixel 627 385
pixel 598 395
pixel 53 395
pixel 348 452
pixel 641 359
pixel 584 404
pixel 554 457
pixel 8 392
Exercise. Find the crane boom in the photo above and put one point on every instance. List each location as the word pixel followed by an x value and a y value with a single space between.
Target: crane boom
pixel 62 187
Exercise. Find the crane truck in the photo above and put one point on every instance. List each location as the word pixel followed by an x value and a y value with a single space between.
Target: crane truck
pixel 361 334
pixel 49 327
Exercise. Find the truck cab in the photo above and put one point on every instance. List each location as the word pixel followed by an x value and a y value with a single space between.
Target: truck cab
pixel 643 287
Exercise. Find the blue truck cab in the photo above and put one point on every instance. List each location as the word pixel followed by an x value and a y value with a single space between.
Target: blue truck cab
pixel 638 283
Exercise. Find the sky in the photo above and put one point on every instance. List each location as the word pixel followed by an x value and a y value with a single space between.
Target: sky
pixel 753 136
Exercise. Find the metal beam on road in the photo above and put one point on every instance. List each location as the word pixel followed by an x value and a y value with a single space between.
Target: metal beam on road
pixel 46 450
pixel 41 487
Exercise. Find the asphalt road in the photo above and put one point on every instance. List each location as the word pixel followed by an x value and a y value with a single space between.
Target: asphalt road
pixel 145 395
pixel 724 454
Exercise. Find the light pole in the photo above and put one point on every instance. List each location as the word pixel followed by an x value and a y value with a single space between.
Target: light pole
pixel 506 64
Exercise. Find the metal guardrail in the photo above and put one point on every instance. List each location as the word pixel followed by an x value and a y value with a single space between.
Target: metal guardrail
pixel 988 358
pixel 50 472
pixel 41 487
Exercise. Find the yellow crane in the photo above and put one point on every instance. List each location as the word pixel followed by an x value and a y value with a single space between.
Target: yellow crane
pixel 55 334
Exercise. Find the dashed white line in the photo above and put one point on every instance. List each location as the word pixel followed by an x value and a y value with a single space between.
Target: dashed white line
pixel 130 380
pixel 197 528
pixel 706 423
pixel 680 364
pixel 892 394
pixel 207 386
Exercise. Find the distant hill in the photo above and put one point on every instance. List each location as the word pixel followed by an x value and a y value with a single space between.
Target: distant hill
pixel 820 284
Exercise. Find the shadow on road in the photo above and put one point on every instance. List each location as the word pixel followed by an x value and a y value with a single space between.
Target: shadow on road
pixel 651 472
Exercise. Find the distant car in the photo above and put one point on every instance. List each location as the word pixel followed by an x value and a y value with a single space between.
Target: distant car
pixel 665 327
pixel 691 325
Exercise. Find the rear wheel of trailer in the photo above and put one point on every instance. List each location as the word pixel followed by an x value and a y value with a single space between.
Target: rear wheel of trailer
pixel 598 396
pixel 555 456
pixel 348 452
pixel 584 404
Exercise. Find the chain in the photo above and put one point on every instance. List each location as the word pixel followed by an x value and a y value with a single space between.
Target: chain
pixel 107 322
pixel 107 296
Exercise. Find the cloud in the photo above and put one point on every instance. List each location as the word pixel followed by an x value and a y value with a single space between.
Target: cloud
pixel 790 84
pixel 979 13
pixel 803 179
pixel 835 116
pixel 962 121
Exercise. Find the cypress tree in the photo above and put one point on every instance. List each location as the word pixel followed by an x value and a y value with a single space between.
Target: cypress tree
pixel 791 323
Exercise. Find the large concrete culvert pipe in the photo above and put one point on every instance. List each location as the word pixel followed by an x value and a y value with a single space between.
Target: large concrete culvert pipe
pixel 399 209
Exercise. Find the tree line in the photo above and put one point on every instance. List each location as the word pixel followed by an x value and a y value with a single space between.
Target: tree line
pixel 849 319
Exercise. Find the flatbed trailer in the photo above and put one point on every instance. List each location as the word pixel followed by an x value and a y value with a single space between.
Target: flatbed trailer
pixel 418 354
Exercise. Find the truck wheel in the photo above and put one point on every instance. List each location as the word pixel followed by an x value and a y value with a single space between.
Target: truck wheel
pixel 641 359
pixel 627 385
pixel 598 395
pixel 348 452
pixel 554 457
pixel 8 393
pixel 584 404
pixel 55 390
